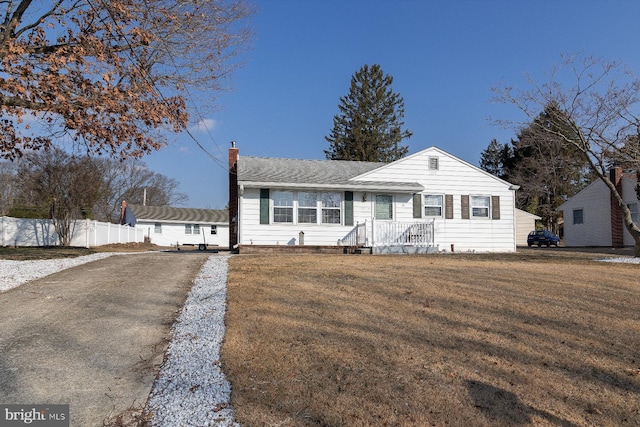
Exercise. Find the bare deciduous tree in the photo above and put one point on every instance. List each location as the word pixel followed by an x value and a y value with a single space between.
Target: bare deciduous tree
pixel 596 114
pixel 66 185
pixel 133 181
pixel 111 74
pixel 7 186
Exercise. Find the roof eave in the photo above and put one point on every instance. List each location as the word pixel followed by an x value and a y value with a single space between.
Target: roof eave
pixel 356 186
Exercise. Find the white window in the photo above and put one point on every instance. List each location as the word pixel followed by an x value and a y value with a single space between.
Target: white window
pixel 432 205
pixel 214 229
pixel 187 229
pixel 196 228
pixel 633 208
pixel 480 206
pixel 307 208
pixel 384 206
pixel 157 228
pixel 578 216
pixel 283 206
pixel 331 208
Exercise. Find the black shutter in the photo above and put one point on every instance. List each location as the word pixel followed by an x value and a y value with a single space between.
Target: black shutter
pixel 264 206
pixel 348 208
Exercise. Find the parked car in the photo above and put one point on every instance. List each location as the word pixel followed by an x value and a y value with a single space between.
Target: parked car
pixel 543 237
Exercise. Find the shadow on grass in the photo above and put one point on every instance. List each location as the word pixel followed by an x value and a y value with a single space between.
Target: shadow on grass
pixel 505 407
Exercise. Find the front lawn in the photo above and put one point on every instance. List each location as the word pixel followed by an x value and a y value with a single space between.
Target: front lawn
pixel 541 338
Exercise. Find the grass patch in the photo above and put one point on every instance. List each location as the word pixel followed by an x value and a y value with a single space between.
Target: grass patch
pixel 483 340
pixel 36 253
pixel 55 252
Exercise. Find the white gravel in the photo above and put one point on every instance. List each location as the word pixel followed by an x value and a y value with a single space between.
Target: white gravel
pixel 16 273
pixel 191 389
pixel 624 260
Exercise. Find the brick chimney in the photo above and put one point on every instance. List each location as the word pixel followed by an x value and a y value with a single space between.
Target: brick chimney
pixel 617 229
pixel 233 195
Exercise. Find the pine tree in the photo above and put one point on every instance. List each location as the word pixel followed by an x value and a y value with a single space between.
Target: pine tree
pixel 495 158
pixel 369 125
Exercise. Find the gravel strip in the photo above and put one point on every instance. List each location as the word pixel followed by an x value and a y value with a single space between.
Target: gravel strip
pixel 623 260
pixel 191 389
pixel 16 273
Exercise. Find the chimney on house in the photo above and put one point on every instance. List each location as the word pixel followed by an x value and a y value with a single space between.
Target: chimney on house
pixel 233 195
pixel 617 229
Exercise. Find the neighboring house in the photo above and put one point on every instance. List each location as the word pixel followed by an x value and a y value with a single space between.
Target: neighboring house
pixel 428 201
pixel 525 223
pixel 592 218
pixel 168 226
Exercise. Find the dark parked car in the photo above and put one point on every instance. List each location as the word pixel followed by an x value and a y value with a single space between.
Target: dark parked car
pixel 542 237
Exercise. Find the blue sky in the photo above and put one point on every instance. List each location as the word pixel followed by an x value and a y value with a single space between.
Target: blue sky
pixel 444 56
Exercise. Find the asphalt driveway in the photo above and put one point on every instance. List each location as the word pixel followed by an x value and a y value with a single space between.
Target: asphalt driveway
pixel 94 335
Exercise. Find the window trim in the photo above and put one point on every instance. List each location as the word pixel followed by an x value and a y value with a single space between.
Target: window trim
pixel 319 207
pixel 283 207
pixel 425 205
pixel 332 209
pixel 573 214
pixel 473 207
pixel 214 229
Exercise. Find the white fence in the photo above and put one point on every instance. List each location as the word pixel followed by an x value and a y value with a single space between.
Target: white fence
pixel 87 233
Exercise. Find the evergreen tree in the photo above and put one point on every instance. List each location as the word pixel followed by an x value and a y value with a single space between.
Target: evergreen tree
pixel 496 159
pixel 548 170
pixel 369 125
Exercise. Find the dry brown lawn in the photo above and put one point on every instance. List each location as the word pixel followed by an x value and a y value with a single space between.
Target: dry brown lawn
pixel 463 340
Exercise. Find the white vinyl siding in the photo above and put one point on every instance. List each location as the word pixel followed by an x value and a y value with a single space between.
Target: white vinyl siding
pixel 175 233
pixel 595 229
pixel 455 178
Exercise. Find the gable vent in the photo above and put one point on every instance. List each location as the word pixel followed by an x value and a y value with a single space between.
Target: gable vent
pixel 433 163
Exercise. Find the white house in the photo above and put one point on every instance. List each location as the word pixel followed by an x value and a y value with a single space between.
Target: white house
pixel 168 226
pixel 592 218
pixel 428 201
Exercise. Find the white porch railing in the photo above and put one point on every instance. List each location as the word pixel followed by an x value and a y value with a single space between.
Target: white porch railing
pixel 357 236
pixel 392 233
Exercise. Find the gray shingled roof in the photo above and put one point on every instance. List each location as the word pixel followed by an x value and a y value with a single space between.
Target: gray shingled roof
pixel 309 173
pixel 168 213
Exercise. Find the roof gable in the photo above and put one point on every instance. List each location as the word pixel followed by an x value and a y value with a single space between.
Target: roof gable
pixel 431 151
